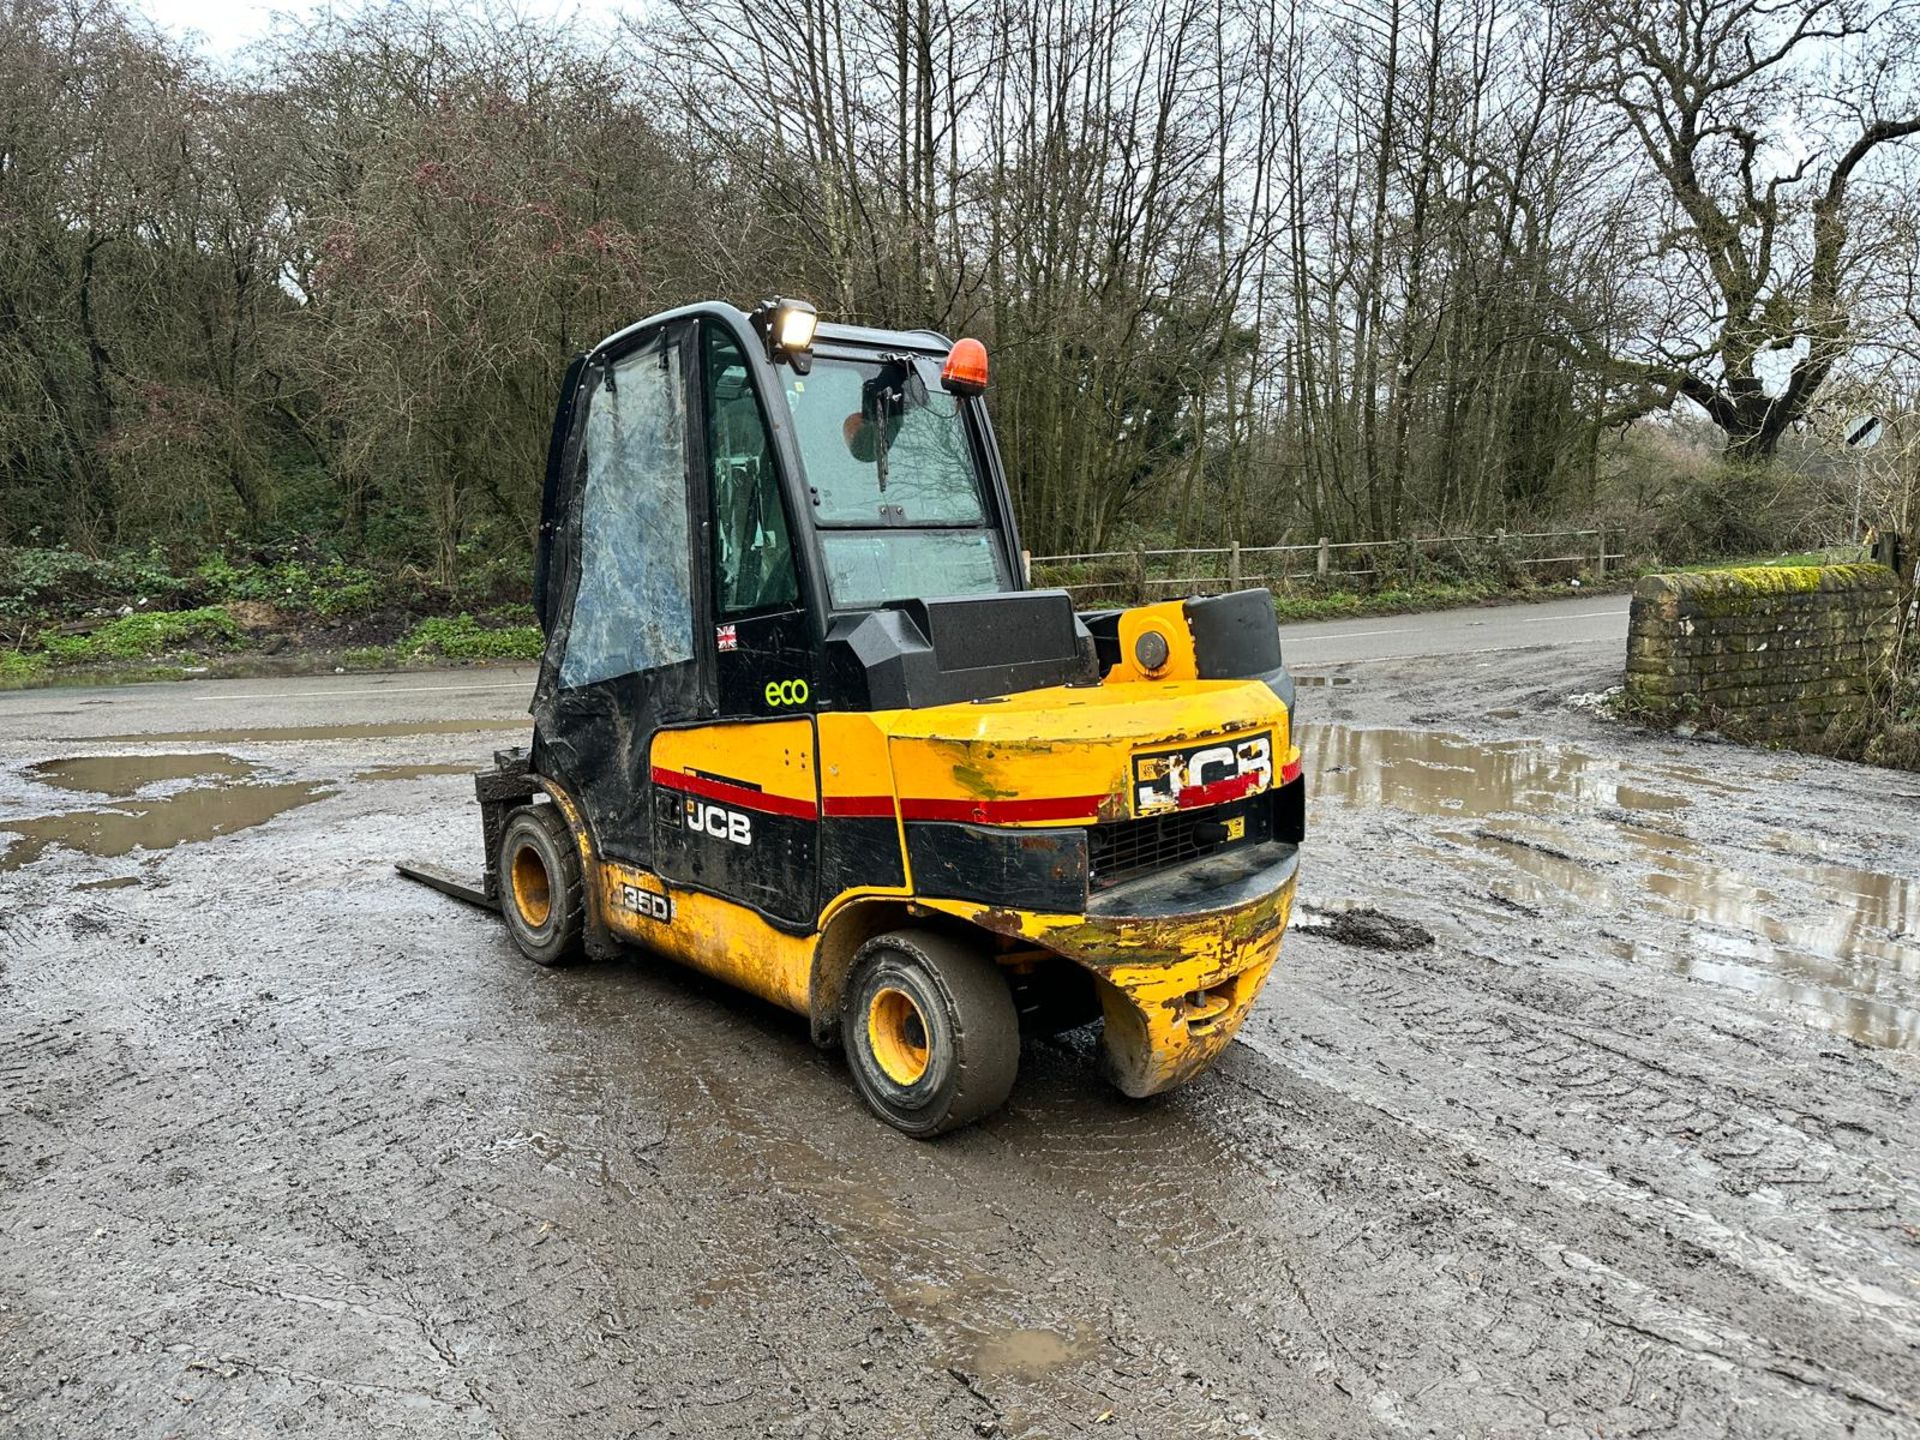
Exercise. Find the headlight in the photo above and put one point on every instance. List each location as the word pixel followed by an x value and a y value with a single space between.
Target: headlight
pixel 786 327
pixel 796 322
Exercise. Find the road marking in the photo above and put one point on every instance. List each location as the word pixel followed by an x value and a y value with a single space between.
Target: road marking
pixel 319 694
pixel 1347 635
pixel 1316 666
pixel 1580 615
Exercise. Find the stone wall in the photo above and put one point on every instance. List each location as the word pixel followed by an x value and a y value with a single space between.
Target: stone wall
pixel 1767 654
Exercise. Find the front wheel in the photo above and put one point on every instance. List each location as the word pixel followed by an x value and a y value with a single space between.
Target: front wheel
pixel 930 1031
pixel 541 897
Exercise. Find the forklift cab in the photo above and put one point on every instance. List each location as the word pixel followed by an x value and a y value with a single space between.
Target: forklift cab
pixel 724 515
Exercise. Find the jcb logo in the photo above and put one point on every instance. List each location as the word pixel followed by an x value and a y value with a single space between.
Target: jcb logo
pixel 720 822
pixel 1205 775
pixel 786 692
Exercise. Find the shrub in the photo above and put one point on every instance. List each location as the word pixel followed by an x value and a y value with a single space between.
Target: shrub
pixel 331 589
pixel 139 637
pixel 461 637
pixel 1735 510
pixel 38 583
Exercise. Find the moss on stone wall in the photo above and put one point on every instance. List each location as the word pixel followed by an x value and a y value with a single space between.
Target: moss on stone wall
pixel 1766 652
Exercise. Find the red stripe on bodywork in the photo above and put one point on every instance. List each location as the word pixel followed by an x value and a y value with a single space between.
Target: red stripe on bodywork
pixel 737 795
pixel 857 807
pixel 1004 812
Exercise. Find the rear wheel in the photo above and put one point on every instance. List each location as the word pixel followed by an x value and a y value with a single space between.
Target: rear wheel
pixel 930 1031
pixel 541 896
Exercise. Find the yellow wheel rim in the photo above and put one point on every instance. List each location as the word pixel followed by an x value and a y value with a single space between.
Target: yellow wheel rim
pixel 532 890
pixel 897 1035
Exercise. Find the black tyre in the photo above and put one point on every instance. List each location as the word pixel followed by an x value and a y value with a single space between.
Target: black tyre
pixel 541 896
pixel 930 1032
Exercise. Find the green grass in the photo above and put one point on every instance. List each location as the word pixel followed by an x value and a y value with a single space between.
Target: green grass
pixel 461 637
pixel 141 637
pixel 18 668
pixel 1339 604
pixel 455 637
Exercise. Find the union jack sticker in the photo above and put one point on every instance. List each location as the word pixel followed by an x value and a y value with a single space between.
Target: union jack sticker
pixel 725 637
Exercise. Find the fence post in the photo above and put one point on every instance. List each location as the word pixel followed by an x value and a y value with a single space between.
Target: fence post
pixel 1600 557
pixel 1139 577
pixel 1233 566
pixel 1026 567
pixel 1325 561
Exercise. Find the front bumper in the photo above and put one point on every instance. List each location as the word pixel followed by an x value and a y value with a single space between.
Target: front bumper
pixel 1178 958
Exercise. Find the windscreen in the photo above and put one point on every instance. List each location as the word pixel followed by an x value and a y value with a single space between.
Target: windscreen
pixel 896 492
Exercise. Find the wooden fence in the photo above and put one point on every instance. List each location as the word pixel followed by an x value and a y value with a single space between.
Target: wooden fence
pixel 1135 575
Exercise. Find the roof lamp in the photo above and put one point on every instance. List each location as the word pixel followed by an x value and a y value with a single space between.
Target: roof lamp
pixel 796 322
pixel 787 327
pixel 965 372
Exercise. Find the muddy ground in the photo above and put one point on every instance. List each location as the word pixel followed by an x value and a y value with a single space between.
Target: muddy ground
pixel 291 1147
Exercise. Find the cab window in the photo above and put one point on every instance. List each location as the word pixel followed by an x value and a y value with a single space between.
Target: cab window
pixel 633 606
pixel 752 550
pixel 898 499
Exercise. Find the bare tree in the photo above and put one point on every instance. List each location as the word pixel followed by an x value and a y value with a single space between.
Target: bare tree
pixel 1763 123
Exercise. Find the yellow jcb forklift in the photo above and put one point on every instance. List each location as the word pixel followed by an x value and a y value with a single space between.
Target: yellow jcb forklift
pixel 802 725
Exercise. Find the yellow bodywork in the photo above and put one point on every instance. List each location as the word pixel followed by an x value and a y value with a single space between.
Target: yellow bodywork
pixel 1172 991
pixel 1173 988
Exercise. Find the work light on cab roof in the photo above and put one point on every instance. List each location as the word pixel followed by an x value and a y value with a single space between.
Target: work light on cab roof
pixel 787 326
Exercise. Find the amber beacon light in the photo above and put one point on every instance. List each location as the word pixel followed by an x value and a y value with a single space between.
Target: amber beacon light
pixel 965 372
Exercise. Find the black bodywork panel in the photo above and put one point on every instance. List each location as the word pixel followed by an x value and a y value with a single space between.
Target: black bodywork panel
pixel 1036 869
pixel 917 653
pixel 719 838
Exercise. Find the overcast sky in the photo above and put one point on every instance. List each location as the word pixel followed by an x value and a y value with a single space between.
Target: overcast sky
pixel 227 26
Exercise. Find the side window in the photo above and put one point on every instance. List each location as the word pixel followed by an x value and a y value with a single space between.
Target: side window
pixel 752 554
pixel 633 608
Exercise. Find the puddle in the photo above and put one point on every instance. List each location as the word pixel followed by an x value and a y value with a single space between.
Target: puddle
pixel 120 776
pixel 1839 945
pixel 1768 972
pixel 179 816
pixel 1541 876
pixel 1323 679
pixel 371 730
pixel 190 816
pixel 1429 772
pixel 413 772
pixel 1026 1354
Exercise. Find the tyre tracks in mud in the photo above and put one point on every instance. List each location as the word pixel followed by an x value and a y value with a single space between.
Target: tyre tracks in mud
pixel 1732 1224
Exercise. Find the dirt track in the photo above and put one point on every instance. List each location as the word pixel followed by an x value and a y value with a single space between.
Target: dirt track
pixel 288 1146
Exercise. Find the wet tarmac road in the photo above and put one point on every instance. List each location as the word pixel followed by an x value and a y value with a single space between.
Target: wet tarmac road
pixel 1581 620
pixel 289 1146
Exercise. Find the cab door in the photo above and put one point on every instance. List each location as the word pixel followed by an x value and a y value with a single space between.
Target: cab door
pixel 623 656
pixel 736 797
